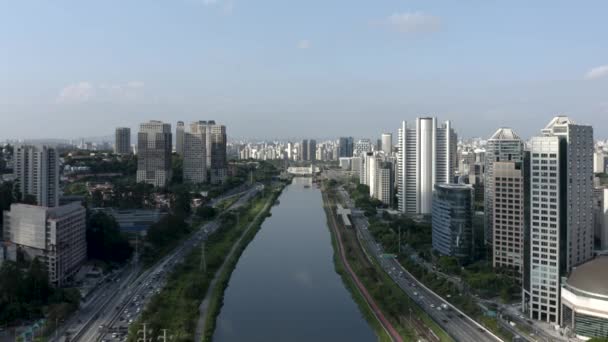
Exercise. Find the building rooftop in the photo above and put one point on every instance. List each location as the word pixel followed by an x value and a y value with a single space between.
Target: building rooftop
pixel 455 186
pixel 591 277
pixel 505 133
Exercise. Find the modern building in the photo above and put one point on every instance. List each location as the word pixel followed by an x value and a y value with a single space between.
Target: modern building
pixel 599 163
pixel 122 141
pixel 312 150
pixel 508 217
pixel 217 160
pixel 195 156
pixel 584 297
pixel 345 147
pixel 304 150
pixel 179 138
pixel 561 223
pixel 154 153
pixel 36 170
pixel 452 221
pixel 362 146
pixel 387 143
pixel 503 146
pixel 600 217
pixel 384 188
pixel 57 236
pixel 345 163
pixel 426 157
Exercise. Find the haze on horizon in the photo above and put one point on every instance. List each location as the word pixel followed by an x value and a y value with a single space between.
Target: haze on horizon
pixel 273 68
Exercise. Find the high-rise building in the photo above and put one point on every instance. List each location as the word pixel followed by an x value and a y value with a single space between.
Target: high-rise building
pixel 312 150
pixel 179 138
pixel 122 141
pixel 345 147
pixel 387 143
pixel 215 148
pixel 36 170
pixel 503 146
pixel 452 221
pixel 154 153
pixel 362 146
pixel 600 217
pixel 561 224
pixel 599 162
pixel 57 236
pixel 384 188
pixel 508 217
pixel 289 151
pixel 426 157
pixel 304 150
pixel 195 155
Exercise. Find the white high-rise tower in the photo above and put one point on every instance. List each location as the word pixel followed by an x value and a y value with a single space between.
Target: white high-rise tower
pixel 427 156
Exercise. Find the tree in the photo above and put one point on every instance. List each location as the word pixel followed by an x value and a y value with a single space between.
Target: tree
pixel 206 212
pixel 105 241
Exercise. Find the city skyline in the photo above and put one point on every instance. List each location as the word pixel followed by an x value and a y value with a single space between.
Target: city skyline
pixel 96 75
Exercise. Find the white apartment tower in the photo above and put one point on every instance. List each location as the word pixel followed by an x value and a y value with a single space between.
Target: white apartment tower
pixel 561 222
pixel 154 153
pixel 426 156
pixel 37 173
pixel 387 143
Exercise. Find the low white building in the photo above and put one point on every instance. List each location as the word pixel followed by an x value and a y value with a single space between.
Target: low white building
pixel 584 297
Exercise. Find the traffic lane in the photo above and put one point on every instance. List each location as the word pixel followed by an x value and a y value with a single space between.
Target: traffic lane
pixel 390 265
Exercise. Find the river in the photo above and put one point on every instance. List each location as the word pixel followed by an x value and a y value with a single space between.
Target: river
pixel 285 287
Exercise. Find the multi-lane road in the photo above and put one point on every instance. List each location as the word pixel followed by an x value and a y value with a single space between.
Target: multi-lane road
pixel 117 304
pixel 453 321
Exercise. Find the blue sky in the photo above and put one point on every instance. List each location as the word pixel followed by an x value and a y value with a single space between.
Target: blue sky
pixel 270 68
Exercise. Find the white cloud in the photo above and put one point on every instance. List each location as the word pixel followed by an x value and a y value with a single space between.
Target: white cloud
pixel 597 72
pixel 413 22
pixel 85 91
pixel 76 93
pixel 304 44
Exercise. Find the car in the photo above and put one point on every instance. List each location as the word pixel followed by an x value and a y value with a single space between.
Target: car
pixel 481 329
pixel 445 321
pixel 415 293
pixel 432 305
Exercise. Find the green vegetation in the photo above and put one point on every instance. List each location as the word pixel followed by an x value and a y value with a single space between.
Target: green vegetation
pixel 176 307
pixel 105 242
pixel 163 237
pixel 217 297
pixel 360 195
pixel 76 188
pixel 405 315
pixel 100 163
pixel 25 293
pixel 205 212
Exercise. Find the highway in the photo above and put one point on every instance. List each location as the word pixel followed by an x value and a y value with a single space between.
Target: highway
pixel 453 321
pixel 116 305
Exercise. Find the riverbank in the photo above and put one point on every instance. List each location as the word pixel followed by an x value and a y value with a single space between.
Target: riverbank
pixel 407 318
pixel 212 303
pixel 176 307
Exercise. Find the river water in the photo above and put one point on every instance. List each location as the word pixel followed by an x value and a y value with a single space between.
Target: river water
pixel 284 287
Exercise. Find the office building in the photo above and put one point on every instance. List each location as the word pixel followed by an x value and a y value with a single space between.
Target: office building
pixel 384 188
pixel 362 146
pixel 195 156
pixel 503 146
pixel 57 236
pixel 508 217
pixel 387 143
pixel 599 164
pixel 36 170
pixel 179 138
pixel 217 162
pixel 426 157
pixel 584 297
pixel 561 223
pixel 304 150
pixel 122 141
pixel 312 150
pixel 600 217
pixel 345 147
pixel 452 221
pixel 154 153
